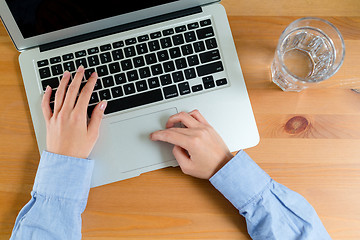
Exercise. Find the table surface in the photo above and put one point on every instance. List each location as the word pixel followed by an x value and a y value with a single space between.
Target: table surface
pixel 319 157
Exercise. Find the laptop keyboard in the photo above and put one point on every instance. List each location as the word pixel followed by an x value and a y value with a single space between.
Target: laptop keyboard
pixel 145 69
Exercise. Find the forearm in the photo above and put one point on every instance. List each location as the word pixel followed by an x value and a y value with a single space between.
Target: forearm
pixel 272 211
pixel 59 197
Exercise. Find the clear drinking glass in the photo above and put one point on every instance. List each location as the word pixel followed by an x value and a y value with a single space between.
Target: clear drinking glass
pixel 310 50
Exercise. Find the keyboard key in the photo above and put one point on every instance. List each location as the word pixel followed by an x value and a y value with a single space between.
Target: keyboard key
pixel 81 61
pixel 165 80
pixel 81 53
pixel 139 61
pixel 108 81
pixel 102 71
pixel 184 88
pixel 129 88
pixel 117 54
pixel 88 72
pixel 94 98
pixel 170 92
pixel 169 66
pixel 130 41
pixel 93 50
pixel 175 52
pixel 156 69
pixel 187 49
pixel 178 39
pixel 193 25
pixel 155 35
pixel 180 63
pixel 53 93
pixel 120 78
pixel 43 63
pixel 55 60
pixel 211 43
pixel 114 67
pixel 105 94
pixel 221 82
pixel 208 82
pixel 98 85
pixel 190 36
pixel 180 29
pixel 67 57
pixel 206 22
pixel 142 48
pixel 199 46
pixel 168 32
pixel 150 58
pixel 210 68
pixel 44 72
pixel 144 72
pixel 105 57
pixel 197 88
pixel 93 60
pixel 193 60
pixel 178 77
pixel 105 47
pixel 154 82
pixel 166 42
pixel 130 51
pixel 52 82
pixel 190 73
pixel 126 64
pixel 205 33
pixel 210 56
pixel 163 55
pixel 57 69
pixel 143 38
pixel 69 66
pixel 154 45
pixel 134 101
pixel 118 44
pixel 117 92
pixel 132 76
pixel 141 86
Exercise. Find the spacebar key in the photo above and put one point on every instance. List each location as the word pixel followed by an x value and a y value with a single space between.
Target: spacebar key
pixel 210 68
pixel 134 101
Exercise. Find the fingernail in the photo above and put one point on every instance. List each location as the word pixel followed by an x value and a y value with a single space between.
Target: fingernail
pixel 103 105
pixel 47 88
pixel 94 74
pixel 66 73
pixel 80 68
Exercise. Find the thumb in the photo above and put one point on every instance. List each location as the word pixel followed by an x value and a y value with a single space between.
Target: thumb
pixel 96 118
pixel 182 157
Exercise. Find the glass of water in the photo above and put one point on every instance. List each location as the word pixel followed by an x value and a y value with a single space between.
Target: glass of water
pixel 310 50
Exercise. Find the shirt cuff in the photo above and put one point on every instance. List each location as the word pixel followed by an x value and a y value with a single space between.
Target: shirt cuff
pixel 240 180
pixel 63 176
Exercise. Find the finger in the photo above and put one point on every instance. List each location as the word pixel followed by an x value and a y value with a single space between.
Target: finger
pixel 96 118
pixel 182 157
pixel 73 90
pixel 198 116
pixel 45 105
pixel 171 136
pixel 60 93
pixel 85 95
pixel 184 118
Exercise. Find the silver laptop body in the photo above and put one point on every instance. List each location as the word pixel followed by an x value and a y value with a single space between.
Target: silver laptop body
pixel 218 90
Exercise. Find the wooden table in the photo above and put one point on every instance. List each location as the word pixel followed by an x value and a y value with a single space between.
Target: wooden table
pixel 318 156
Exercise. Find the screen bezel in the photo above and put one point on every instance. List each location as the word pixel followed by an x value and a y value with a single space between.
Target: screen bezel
pixel 22 43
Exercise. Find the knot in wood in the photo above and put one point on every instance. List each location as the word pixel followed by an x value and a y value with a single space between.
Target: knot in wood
pixel 296 125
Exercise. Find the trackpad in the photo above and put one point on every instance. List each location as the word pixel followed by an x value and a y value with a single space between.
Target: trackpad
pixel 132 148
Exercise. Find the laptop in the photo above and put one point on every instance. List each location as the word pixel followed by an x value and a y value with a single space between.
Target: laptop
pixel 154 58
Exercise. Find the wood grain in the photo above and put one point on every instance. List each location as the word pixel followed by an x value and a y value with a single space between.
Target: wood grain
pixel 320 159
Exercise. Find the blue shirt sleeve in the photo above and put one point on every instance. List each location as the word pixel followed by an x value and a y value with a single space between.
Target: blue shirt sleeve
pixel 58 198
pixel 272 211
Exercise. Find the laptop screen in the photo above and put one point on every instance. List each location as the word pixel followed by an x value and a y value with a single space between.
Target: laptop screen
pixel 36 17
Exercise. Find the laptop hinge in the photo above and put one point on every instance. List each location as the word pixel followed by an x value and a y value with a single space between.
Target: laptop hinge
pixel 120 28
